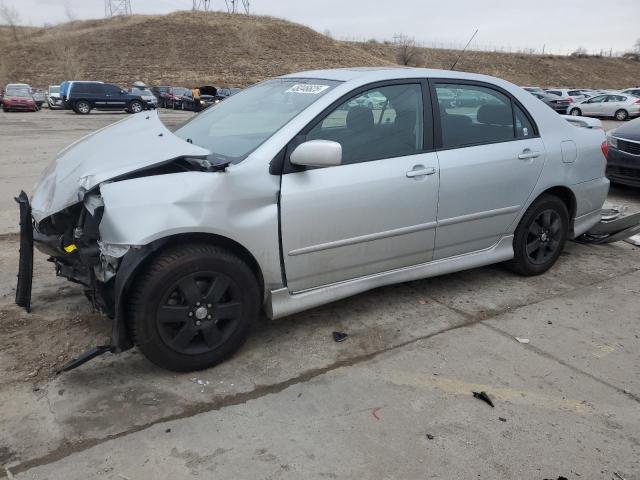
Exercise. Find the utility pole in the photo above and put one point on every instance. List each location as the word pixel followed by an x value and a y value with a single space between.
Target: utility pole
pixel 114 8
pixel 234 5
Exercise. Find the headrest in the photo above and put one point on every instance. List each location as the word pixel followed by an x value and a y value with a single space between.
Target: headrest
pixel 495 115
pixel 359 119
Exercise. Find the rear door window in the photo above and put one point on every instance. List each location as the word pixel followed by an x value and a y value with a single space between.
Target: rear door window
pixel 472 114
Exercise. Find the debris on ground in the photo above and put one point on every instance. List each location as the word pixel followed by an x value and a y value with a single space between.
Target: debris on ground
pixel 339 336
pixel 374 412
pixel 168 430
pixel 559 478
pixel 522 340
pixel 484 397
pixel 430 437
pixel 618 476
pixel 423 301
pixel 635 240
pixel 502 419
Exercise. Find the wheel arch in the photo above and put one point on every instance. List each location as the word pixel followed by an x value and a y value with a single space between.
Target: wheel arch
pixel 135 261
pixel 567 196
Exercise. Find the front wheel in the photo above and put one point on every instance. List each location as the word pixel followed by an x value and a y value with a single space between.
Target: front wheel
pixel 622 115
pixel 192 307
pixel 540 236
pixel 575 112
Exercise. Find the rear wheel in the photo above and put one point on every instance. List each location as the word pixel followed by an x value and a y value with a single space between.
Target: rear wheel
pixel 622 115
pixel 82 107
pixel 540 236
pixel 575 112
pixel 135 106
pixel 192 307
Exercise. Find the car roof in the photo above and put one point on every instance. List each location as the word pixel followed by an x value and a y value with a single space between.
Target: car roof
pixel 372 74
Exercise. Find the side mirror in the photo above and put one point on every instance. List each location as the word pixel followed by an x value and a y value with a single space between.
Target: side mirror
pixel 317 153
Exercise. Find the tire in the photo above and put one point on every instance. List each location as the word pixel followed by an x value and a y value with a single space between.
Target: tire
pixel 621 115
pixel 576 112
pixel 545 225
pixel 82 107
pixel 168 318
pixel 135 107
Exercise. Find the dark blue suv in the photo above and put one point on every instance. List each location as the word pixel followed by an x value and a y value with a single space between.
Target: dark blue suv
pixel 86 96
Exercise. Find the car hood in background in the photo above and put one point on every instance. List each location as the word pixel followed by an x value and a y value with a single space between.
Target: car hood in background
pixel 137 142
pixel 630 130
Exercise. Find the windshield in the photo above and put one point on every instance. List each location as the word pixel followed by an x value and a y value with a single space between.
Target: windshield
pixel 18 93
pixel 234 128
pixel 142 92
pixel 180 91
pixel 54 89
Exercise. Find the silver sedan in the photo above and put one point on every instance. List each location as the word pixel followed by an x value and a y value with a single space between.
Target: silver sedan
pixel 300 191
pixel 618 106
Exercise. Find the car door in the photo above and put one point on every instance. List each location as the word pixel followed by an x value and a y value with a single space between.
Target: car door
pixel 377 210
pixel 488 165
pixel 593 106
pixel 115 98
pixel 613 104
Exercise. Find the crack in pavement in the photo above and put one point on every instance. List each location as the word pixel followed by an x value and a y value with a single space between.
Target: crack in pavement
pixel 262 390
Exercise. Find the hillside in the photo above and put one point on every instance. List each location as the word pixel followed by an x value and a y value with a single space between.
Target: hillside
pixel 525 69
pixel 181 48
pixel 190 49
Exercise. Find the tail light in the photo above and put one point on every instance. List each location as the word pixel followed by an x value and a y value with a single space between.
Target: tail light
pixel 570 100
pixel 605 149
pixel 637 101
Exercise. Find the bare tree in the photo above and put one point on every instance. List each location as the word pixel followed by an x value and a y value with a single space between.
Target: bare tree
pixel 66 56
pixel 10 16
pixel 636 47
pixel 68 12
pixel 580 52
pixel 407 50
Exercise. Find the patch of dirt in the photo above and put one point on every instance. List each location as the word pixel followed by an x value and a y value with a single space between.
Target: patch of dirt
pixel 62 323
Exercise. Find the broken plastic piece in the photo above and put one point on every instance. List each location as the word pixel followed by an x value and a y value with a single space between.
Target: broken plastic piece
pixel 339 336
pixel 85 357
pixel 522 340
pixel 430 437
pixel 635 240
pixel 484 397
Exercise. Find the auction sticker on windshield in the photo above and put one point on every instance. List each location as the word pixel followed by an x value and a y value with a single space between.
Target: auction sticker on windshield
pixel 307 88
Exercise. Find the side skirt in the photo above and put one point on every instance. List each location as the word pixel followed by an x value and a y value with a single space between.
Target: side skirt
pixel 281 302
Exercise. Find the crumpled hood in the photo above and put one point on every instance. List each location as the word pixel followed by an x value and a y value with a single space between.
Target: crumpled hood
pixel 137 142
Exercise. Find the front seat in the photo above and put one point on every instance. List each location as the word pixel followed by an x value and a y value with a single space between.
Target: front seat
pixel 358 141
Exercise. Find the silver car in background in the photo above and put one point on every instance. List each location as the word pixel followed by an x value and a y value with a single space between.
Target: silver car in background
pixel 298 192
pixel 147 96
pixel 618 106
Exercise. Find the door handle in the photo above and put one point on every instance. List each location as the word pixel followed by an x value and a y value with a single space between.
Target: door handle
pixel 420 171
pixel 527 153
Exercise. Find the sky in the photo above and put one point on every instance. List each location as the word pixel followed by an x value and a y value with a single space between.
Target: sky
pixel 558 26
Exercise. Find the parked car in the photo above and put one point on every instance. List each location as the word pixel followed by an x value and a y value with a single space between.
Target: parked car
pixel 18 100
pixel 632 91
pixel 174 96
pixel 65 87
pixel 226 92
pixel 621 107
pixel 160 93
pixel 86 96
pixel 38 96
pixel 623 161
pixel 183 237
pixel 53 97
pixel 146 95
pixel 560 105
pixel 567 94
pixel 18 86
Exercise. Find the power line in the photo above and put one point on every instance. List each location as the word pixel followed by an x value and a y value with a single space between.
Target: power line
pixel 113 8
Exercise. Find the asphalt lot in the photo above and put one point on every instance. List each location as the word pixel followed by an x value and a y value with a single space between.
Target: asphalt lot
pixel 393 401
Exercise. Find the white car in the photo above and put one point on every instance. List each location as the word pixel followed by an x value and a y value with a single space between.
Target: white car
pixel 631 91
pixel 619 106
pixel 573 95
pixel 54 100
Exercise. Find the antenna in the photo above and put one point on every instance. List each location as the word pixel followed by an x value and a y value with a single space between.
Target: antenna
pixel 464 49
pixel 113 8
pixel 204 5
pixel 234 5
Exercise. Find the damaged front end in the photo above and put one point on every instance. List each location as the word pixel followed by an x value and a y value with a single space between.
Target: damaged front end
pixel 63 218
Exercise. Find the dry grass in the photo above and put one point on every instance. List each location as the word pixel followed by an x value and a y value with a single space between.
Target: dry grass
pixel 524 69
pixel 236 50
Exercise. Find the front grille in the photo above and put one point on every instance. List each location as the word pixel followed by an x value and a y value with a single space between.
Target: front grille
pixel 629 147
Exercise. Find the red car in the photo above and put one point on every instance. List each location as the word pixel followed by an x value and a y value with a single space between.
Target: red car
pixel 18 100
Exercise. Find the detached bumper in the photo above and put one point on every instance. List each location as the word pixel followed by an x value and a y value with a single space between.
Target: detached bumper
pixel 25 265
